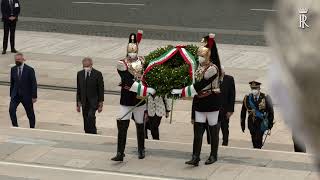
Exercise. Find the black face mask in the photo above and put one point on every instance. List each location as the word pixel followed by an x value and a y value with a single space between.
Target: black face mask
pixel 18 63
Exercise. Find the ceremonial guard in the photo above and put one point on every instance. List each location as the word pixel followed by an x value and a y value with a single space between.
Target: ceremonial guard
pixel 206 101
pixel 261 115
pixel 133 91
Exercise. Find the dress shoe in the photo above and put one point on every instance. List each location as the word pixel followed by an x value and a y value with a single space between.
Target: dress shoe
pixel 194 161
pixel 4 52
pixel 14 51
pixel 142 154
pixel 211 160
pixel 118 157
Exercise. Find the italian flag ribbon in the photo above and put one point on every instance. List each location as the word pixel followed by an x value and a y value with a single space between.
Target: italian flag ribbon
pixel 187 57
pixel 188 91
pixel 140 89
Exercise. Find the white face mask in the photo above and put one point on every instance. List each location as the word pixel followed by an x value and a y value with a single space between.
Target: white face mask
pixel 201 59
pixel 255 92
pixel 132 55
pixel 87 69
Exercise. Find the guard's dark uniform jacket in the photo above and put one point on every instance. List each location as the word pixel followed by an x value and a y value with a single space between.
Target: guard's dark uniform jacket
pixel 205 91
pixel 264 105
pixel 131 89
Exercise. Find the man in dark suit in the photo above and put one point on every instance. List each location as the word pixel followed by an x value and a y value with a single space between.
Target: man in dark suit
pixel 10 11
pixel 23 89
pixel 90 94
pixel 228 92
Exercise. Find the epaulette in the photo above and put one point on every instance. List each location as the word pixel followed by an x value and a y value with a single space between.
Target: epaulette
pixel 122 65
pixel 211 71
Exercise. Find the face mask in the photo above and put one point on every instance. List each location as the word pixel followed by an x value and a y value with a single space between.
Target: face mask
pixel 18 63
pixel 87 69
pixel 132 55
pixel 201 59
pixel 255 92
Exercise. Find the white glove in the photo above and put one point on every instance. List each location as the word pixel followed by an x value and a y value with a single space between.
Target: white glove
pixel 151 91
pixel 176 91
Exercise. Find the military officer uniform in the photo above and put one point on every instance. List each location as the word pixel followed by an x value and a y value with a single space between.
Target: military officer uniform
pixel 261 114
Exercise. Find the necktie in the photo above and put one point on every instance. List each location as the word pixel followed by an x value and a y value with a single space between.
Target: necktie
pixel 88 75
pixel 19 73
pixel 87 78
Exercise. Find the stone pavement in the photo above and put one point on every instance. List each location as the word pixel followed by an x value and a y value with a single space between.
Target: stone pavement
pixel 40 154
pixel 57 57
pixel 55 110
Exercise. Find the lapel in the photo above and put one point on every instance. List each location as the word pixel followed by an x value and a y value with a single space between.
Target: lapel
pixel 15 73
pixel 10 4
pixel 92 74
pixel 24 70
pixel 261 97
pixel 83 76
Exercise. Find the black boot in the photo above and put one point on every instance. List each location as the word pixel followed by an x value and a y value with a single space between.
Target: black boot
pixel 214 133
pixel 198 129
pixel 123 126
pixel 208 133
pixel 140 139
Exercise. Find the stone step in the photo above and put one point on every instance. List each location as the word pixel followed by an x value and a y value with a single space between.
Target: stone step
pixel 27 171
pixel 55 110
pixel 44 150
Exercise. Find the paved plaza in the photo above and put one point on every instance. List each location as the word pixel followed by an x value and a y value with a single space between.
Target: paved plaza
pixel 60 150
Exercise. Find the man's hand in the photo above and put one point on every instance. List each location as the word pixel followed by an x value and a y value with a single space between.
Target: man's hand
pixel 151 91
pixel 34 100
pixel 12 18
pixel 243 128
pixel 229 114
pixel 100 108
pixel 176 91
pixel 167 114
pixel 78 109
pixel 192 121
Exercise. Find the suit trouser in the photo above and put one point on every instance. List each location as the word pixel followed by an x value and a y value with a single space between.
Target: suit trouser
pixel 256 137
pixel 153 124
pixel 9 26
pixel 89 118
pixel 28 106
pixel 224 122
